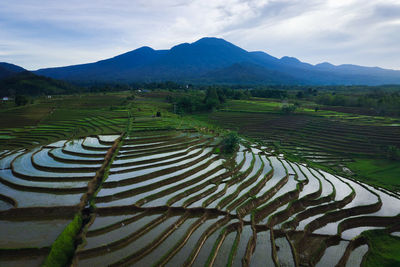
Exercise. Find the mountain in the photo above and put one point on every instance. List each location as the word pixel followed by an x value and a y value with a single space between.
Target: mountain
pixel 27 83
pixel 214 60
pixel 8 70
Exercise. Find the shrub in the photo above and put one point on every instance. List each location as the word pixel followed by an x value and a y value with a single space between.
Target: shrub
pixel 63 248
pixel 288 109
pixel 230 142
pixel 393 153
pixel 20 100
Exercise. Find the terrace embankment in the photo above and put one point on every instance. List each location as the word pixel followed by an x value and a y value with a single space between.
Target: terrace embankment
pixel 169 198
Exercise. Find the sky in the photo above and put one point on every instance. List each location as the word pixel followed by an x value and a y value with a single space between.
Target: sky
pixel 48 33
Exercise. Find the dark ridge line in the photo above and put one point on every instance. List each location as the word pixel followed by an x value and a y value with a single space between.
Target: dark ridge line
pixel 39 213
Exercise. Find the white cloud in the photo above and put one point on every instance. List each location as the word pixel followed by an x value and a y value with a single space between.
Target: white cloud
pixel 44 33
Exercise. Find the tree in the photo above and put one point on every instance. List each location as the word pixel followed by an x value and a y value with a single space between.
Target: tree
pixel 230 142
pixel 288 109
pixel 211 100
pixel 21 100
pixel 299 94
pixel 393 153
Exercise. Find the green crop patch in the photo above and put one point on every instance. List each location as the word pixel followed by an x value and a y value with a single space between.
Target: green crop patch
pixel 383 249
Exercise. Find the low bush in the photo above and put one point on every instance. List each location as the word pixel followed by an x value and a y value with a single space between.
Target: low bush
pixel 230 142
pixel 63 248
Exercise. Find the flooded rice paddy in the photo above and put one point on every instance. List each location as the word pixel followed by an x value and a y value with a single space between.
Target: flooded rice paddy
pixel 169 199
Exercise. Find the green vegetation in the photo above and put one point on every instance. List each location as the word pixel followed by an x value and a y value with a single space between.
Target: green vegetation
pixel 27 83
pixel 20 100
pixel 230 142
pixel 63 248
pixel 288 109
pixel 384 249
pixel 381 172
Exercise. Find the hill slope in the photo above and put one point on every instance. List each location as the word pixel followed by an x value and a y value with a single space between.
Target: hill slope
pixel 213 60
pixel 27 83
pixel 8 70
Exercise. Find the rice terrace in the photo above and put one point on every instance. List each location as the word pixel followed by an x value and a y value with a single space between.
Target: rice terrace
pixel 131 136
pixel 143 190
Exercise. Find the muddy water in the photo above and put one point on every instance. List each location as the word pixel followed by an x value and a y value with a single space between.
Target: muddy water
pixel 190 245
pixel 312 186
pixel 22 261
pixel 206 249
pixel 33 199
pixel 134 198
pixel 295 169
pixel 15 234
pixel 103 221
pixel 167 162
pixel 23 165
pixel 327 187
pixel 332 255
pixel 168 244
pixel 181 202
pixel 42 158
pixel 225 250
pixel 5 205
pixel 7 175
pixel 342 189
pixel 163 200
pixel 94 142
pixel 279 173
pixel 119 233
pixel 390 205
pixel 284 252
pixel 5 163
pixel 104 259
pixel 76 146
pixel 59 154
pixel 245 236
pixel 356 256
pixel 135 173
pixel 263 253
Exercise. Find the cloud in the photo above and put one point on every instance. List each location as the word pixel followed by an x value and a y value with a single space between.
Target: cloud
pixel 44 33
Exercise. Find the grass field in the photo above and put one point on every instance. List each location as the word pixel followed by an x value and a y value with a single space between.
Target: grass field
pixel 384 173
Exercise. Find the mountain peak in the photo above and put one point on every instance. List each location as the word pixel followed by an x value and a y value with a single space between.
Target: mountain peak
pixel 211 40
pixel 211 56
pixel 290 60
pixel 144 48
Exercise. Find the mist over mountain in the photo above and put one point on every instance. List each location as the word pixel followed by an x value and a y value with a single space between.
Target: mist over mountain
pixel 214 60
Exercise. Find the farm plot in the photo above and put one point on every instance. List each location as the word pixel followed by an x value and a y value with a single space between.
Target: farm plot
pixel 40 192
pixel 322 140
pixel 169 199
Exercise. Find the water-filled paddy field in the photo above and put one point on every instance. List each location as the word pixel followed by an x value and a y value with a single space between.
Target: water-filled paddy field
pixel 167 198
